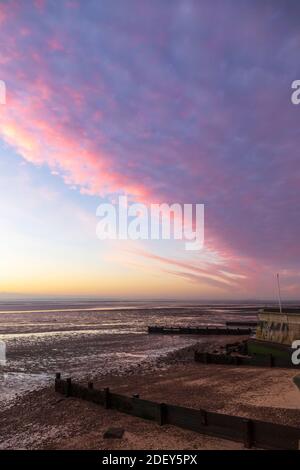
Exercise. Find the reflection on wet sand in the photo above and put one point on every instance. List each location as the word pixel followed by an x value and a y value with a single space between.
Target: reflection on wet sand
pixel 97 340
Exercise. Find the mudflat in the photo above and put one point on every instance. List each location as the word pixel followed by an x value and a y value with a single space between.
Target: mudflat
pixel 43 419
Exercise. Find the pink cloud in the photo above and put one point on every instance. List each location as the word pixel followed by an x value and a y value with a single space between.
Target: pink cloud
pixel 177 105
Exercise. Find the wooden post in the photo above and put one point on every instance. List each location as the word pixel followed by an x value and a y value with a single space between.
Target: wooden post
pixel 203 417
pixel 69 387
pixel 248 433
pixel 236 360
pixel 57 380
pixel 90 385
pixel 106 398
pixel 162 409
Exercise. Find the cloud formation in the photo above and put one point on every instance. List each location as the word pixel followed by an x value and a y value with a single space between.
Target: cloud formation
pixel 182 101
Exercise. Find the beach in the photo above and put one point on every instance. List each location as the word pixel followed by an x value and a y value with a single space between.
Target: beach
pixel 89 338
pixel 42 419
pixel 112 349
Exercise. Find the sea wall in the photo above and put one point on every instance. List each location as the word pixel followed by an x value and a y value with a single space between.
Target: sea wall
pixel 280 328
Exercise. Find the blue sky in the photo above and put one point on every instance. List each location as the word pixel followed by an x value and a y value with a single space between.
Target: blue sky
pixel 183 101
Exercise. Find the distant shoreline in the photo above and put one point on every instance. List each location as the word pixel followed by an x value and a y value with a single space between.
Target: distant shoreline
pixel 48 307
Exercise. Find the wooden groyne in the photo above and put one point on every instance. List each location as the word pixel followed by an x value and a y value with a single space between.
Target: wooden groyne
pixel 252 432
pixel 173 330
pixel 257 360
pixel 249 324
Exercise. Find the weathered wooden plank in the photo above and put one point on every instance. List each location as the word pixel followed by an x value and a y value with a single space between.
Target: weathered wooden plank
pixel 166 330
pixel 251 432
pixel 257 360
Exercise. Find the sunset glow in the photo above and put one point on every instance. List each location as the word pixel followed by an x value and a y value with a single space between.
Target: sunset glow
pixel 160 106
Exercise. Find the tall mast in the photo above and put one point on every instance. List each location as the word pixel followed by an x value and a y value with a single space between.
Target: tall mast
pixel 279 294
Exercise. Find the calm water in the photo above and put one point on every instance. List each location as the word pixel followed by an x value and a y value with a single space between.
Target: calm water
pixel 84 339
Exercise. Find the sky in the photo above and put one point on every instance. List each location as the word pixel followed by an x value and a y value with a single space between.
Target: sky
pixel 176 101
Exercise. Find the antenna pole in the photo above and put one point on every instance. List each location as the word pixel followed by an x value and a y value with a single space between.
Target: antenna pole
pixel 279 294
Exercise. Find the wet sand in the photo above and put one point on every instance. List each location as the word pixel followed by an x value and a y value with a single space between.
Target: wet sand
pixel 106 339
pixel 45 420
